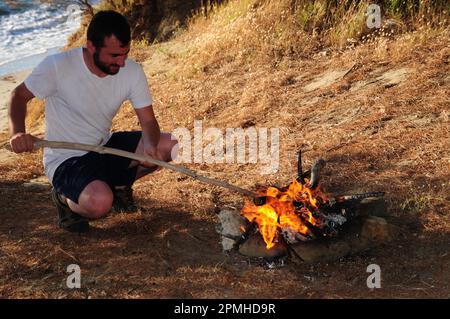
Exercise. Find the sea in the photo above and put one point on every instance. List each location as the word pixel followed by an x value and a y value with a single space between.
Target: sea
pixel 32 29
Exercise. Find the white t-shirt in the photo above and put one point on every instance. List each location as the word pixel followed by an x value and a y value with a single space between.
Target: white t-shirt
pixel 79 105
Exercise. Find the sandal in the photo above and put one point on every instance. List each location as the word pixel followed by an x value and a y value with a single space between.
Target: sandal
pixel 67 219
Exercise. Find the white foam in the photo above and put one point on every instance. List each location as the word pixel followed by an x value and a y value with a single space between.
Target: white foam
pixel 34 31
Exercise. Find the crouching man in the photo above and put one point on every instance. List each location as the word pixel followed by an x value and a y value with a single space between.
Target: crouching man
pixel 83 90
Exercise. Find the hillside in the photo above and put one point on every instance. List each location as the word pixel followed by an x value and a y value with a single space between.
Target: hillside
pixel 374 106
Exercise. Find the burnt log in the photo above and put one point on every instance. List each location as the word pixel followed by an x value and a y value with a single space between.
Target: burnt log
pixel 315 172
pixel 259 200
pixel 299 167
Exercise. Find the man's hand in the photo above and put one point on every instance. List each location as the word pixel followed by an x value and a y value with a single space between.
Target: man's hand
pixel 150 134
pixel 152 151
pixel 22 142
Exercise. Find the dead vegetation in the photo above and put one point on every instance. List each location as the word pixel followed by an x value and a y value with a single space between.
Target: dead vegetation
pixel 377 112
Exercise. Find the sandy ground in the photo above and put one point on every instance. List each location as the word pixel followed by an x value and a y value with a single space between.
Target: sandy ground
pixel 7 84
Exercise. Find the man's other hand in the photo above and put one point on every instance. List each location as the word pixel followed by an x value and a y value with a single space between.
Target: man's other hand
pixel 22 142
pixel 153 152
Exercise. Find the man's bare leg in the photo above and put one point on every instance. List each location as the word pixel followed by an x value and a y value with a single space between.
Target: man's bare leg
pixel 95 200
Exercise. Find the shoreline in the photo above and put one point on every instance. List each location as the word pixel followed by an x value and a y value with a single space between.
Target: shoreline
pixel 8 82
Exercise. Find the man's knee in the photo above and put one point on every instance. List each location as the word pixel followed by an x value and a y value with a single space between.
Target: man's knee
pixel 96 199
pixel 169 146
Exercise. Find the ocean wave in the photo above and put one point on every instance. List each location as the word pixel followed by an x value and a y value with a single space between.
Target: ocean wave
pixel 29 30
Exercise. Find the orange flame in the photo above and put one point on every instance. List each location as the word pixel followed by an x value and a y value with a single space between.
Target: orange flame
pixel 279 210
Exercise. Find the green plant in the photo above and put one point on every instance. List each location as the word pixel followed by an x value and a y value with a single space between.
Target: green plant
pixel 419 203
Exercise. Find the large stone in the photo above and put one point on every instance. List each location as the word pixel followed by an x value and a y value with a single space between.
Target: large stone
pixel 322 250
pixel 255 246
pixel 325 79
pixel 39 183
pixel 376 229
pixel 363 234
pixel 231 226
pixel 373 206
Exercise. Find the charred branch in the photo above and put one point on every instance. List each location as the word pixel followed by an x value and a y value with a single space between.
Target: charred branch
pixel 315 172
pixel 360 196
pixel 259 201
pixel 349 201
pixel 299 167
pixel 306 174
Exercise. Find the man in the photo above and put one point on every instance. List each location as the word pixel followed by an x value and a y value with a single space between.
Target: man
pixel 83 89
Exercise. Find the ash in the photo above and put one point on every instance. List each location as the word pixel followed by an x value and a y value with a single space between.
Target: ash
pixel 292 236
pixel 276 263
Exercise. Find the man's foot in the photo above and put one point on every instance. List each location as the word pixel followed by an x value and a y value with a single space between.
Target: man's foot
pixel 123 200
pixel 67 219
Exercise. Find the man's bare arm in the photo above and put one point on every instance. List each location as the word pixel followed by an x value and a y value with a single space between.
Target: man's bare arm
pixel 149 125
pixel 17 110
pixel 150 130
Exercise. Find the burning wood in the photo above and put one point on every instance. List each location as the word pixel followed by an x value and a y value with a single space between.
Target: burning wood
pixel 285 221
pixel 315 173
pixel 301 211
pixel 365 231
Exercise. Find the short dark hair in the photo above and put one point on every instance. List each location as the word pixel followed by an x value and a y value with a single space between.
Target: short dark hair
pixel 106 23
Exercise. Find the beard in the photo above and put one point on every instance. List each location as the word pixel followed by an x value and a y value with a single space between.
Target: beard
pixel 104 67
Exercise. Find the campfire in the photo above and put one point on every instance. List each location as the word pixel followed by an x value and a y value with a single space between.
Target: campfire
pixel 298 213
pixel 301 211
pixel 292 212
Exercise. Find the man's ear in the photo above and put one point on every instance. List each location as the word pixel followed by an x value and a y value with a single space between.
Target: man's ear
pixel 90 46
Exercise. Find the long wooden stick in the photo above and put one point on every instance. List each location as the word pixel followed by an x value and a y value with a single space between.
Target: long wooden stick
pixel 142 158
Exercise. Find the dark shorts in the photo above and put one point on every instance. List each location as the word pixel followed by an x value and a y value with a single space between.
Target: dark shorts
pixel 75 173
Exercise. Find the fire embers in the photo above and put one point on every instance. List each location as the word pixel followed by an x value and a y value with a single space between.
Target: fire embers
pixel 292 212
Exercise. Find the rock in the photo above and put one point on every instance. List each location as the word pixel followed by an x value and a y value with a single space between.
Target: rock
pixel 364 233
pixel 40 183
pixel 325 79
pixel 325 250
pixel 376 229
pixel 386 79
pixel 255 246
pixel 373 207
pixel 227 243
pixel 369 232
pixel 230 227
pixel 394 77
